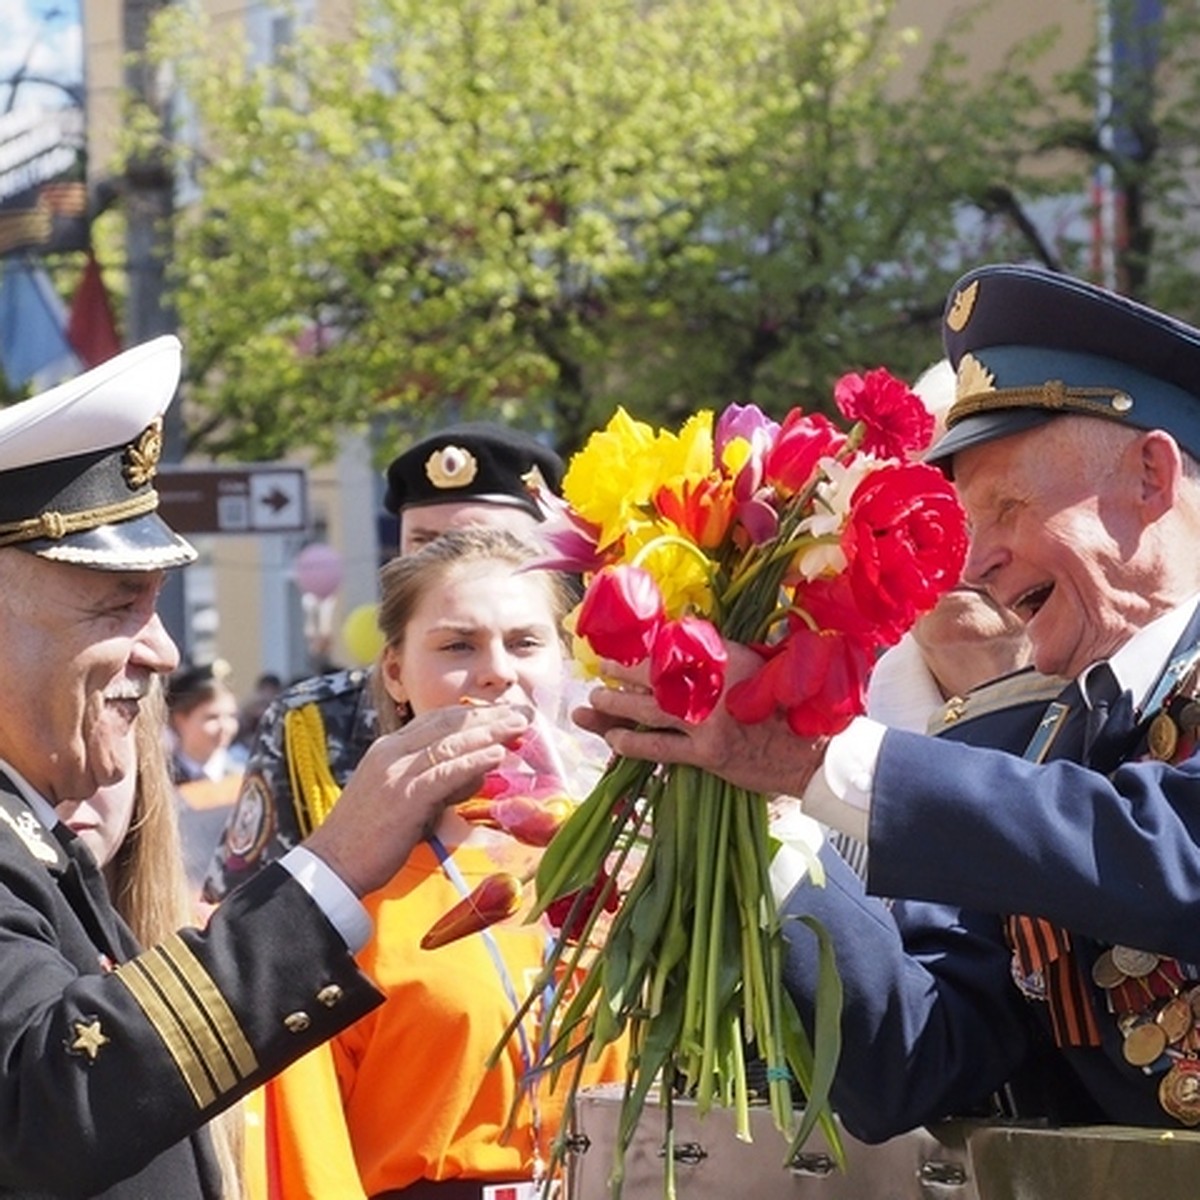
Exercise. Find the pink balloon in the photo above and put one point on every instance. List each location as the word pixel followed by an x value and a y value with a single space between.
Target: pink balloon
pixel 317 570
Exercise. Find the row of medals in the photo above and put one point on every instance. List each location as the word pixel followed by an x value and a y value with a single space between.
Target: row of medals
pixel 1167 1022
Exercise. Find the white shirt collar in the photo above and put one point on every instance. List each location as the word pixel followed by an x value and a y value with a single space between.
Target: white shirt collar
pixel 1141 660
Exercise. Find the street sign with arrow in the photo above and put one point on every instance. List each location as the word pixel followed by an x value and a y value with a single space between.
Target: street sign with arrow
pixel 261 498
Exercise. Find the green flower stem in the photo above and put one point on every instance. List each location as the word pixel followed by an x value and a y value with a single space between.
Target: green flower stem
pixel 713 914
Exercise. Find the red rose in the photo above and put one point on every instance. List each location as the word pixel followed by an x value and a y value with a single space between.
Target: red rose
pixel 687 668
pixel 620 614
pixel 803 441
pixel 905 543
pixel 818 679
pixel 897 424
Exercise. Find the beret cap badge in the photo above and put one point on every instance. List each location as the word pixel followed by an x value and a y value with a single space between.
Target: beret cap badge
pixel 451 467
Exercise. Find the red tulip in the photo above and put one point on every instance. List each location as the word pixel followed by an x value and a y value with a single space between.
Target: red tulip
pixel 621 613
pixel 804 439
pixel 687 668
pixel 817 679
pixel 531 822
pixel 497 897
pixel 570 913
pixel 478 811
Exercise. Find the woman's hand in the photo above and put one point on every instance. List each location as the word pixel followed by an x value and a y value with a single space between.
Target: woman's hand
pixel 404 782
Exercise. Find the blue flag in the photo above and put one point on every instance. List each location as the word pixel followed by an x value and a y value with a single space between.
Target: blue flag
pixel 33 327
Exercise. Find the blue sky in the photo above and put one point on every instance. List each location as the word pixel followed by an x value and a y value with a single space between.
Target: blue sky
pixel 41 38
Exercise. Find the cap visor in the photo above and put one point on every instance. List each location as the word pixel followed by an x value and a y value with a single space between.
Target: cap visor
pixel 146 543
pixel 985 427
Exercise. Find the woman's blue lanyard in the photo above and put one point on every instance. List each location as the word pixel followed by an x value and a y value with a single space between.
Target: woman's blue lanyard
pixel 451 871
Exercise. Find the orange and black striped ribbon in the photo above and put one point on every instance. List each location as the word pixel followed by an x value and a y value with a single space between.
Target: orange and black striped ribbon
pixel 1046 949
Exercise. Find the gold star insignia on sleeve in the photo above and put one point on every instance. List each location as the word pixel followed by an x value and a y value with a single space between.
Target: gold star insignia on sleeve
pixel 89 1038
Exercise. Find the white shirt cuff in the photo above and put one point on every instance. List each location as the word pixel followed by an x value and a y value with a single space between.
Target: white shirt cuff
pixel 330 894
pixel 840 792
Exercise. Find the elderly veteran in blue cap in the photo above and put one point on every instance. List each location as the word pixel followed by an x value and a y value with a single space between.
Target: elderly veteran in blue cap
pixel 113 1058
pixel 313 735
pixel 1050 934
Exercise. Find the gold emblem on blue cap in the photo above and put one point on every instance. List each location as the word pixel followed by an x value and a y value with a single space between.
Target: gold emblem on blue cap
pixel 451 467
pixel 962 306
pixel 972 378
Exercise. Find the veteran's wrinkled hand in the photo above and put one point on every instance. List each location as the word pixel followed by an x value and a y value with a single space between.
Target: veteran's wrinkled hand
pixel 765 757
pixel 404 782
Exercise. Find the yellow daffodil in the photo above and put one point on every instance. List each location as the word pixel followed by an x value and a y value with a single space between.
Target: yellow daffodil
pixel 615 474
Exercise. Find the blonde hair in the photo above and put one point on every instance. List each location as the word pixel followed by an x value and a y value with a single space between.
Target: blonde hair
pixel 150 890
pixel 147 877
pixel 407 579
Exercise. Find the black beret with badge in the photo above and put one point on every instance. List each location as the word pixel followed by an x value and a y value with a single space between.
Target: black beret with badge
pixel 1027 345
pixel 78 462
pixel 479 462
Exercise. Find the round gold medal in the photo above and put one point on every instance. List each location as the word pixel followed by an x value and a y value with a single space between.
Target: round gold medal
pixel 1144 1044
pixel 1179 1091
pixel 1106 973
pixel 1136 963
pixel 1175 1017
pixel 1163 737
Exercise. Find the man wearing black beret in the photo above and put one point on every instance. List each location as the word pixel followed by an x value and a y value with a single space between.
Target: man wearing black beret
pixel 1051 888
pixel 316 732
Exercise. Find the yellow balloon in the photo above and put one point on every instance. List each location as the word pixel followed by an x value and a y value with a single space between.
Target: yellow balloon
pixel 361 636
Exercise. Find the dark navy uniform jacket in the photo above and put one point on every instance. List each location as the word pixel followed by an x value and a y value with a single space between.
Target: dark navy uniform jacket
pixel 112 1058
pixel 933 1021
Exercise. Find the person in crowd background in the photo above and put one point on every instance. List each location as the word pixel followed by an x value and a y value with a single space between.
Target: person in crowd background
pixel 464 620
pixel 118 1053
pixel 464 475
pixel 1052 889
pixel 202 722
pixel 965 640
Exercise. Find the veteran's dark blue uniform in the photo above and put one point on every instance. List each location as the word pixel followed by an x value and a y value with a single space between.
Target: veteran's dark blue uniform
pixel 934 1022
pixel 1028 870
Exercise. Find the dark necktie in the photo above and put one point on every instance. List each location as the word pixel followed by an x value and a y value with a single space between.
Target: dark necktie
pixel 1110 726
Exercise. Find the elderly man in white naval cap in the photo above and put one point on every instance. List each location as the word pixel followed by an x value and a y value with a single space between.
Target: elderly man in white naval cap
pixel 113 1058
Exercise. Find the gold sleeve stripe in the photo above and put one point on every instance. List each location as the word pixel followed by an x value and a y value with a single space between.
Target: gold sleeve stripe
pixel 167 1025
pixel 205 1043
pixel 213 1003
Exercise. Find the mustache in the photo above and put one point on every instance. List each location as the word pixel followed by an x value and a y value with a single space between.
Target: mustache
pixel 129 689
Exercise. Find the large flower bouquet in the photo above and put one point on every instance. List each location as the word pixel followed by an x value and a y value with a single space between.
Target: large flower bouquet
pixel 817 546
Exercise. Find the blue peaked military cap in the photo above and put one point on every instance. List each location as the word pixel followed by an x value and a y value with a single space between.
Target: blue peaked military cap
pixel 1028 345
pixel 78 463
